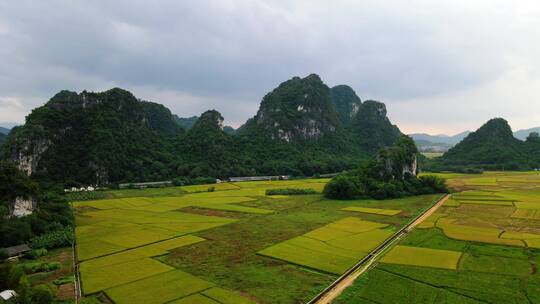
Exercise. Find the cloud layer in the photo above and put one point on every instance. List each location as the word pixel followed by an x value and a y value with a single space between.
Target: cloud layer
pixel 442 66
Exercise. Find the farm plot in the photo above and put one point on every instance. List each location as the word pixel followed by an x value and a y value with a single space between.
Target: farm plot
pixel 176 286
pixel 373 210
pixel 118 230
pixel 418 256
pixel 333 248
pixel 202 247
pixel 128 266
pixel 496 243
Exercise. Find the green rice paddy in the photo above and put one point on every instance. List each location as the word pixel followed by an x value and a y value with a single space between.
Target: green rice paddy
pixel 419 256
pixel 373 210
pixel 333 248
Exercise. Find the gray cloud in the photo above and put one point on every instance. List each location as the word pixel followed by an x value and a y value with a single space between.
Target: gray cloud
pixel 440 66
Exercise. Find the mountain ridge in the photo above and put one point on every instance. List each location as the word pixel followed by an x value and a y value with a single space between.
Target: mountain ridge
pixel 111 136
pixel 4 131
pixel 493 147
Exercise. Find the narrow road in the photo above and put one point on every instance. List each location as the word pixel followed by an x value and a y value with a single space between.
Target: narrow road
pixel 335 289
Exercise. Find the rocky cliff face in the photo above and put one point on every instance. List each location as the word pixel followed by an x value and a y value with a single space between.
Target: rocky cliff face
pixel 22 207
pixel 17 191
pixel 399 160
pixel 346 103
pixel 299 109
pixel 301 127
pixel 29 154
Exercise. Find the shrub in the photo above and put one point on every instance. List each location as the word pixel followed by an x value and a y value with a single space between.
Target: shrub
pixel 290 191
pixel 34 267
pixel 85 195
pixel 433 183
pixel 211 189
pixel 41 294
pixel 58 238
pixel 3 254
pixel 342 187
pixel 36 253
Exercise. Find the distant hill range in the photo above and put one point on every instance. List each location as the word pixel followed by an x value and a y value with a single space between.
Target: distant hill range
pixel 437 143
pixel 3 134
pixel 4 131
pixel 303 127
pixel 523 134
pixel 493 147
pixel 442 143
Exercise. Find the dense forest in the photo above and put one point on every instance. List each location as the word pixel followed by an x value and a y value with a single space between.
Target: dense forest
pixel 303 127
pixel 492 147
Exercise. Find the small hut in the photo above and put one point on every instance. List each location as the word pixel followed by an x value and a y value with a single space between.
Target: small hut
pixel 16 251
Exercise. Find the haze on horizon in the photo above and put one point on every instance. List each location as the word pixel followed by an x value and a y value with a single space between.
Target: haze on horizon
pixel 440 67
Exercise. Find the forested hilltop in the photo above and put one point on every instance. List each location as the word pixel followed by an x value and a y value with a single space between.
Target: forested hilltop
pixel 492 147
pixel 303 127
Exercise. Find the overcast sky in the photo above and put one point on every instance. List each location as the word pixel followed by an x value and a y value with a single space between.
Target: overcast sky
pixel 440 66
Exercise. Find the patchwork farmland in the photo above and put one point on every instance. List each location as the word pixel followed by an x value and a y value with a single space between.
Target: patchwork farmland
pixel 232 244
pixel 481 246
pixel 235 244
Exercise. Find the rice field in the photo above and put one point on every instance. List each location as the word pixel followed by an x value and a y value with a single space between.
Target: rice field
pixel 487 237
pixel 373 210
pixel 419 256
pixel 232 244
pixel 333 248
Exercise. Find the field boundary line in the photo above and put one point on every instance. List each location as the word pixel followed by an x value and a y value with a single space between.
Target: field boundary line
pixel 77 285
pixel 347 278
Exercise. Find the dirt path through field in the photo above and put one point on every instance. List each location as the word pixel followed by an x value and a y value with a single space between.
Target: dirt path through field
pixel 339 286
